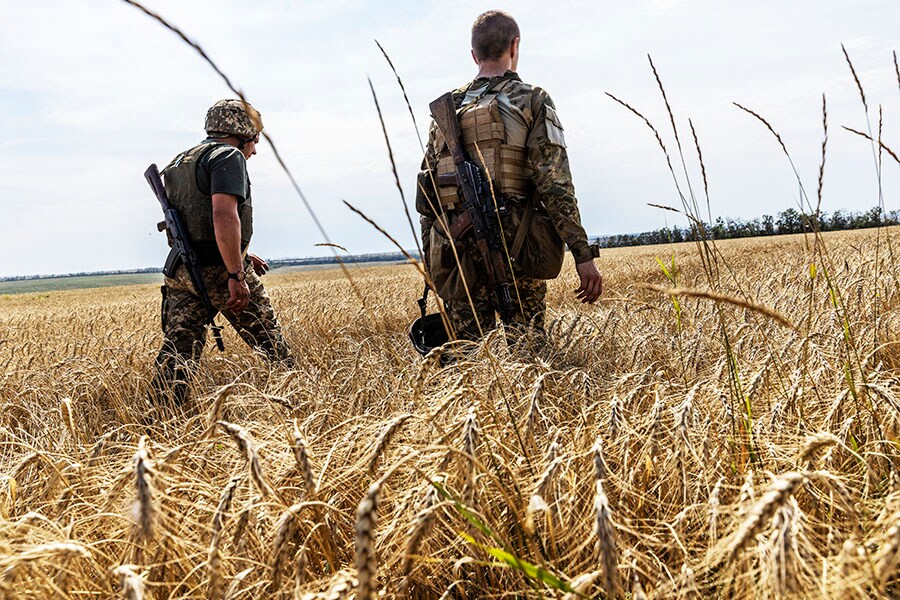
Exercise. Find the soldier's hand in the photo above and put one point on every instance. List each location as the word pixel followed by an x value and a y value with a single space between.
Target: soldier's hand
pixel 238 295
pixel 260 267
pixel 591 282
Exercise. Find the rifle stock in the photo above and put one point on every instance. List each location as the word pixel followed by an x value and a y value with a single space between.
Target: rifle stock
pixel 443 110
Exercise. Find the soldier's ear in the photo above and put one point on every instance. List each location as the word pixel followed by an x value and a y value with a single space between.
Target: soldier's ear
pixel 474 57
pixel 514 48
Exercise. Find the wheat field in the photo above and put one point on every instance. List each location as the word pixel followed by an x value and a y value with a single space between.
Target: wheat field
pixel 740 444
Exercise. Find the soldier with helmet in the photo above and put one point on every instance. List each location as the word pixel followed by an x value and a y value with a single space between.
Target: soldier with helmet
pixel 209 187
pixel 511 129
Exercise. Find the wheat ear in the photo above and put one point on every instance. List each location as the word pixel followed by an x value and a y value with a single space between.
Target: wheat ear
pixel 285 530
pixel 888 557
pixel 384 438
pixel 143 504
pixel 417 532
pixel 812 444
pixel 130 583
pixel 606 541
pixel 213 555
pixel 776 496
pixel 366 559
pixel 246 446
pixel 301 454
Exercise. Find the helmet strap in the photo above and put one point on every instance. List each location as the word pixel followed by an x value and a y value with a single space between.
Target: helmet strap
pixel 423 301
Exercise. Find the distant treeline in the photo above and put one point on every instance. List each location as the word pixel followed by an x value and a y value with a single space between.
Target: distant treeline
pixel 82 274
pixel 787 221
pixel 333 260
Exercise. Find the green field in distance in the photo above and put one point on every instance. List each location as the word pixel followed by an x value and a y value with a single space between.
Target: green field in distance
pixel 54 284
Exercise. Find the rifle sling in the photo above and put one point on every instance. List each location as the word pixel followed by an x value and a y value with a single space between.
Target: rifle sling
pixel 522 231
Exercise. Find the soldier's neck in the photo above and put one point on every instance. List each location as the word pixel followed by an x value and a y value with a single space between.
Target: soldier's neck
pixel 494 68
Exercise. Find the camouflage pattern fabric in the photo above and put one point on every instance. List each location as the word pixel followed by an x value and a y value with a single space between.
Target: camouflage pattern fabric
pixel 230 117
pixel 527 317
pixel 547 157
pixel 183 318
pixel 553 187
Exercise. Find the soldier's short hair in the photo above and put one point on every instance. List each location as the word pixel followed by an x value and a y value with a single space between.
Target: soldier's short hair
pixel 493 33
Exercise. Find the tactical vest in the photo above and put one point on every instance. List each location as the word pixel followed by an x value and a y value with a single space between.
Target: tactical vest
pixel 504 159
pixel 195 206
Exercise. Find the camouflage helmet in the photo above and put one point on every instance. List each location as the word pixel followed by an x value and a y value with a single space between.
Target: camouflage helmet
pixel 229 117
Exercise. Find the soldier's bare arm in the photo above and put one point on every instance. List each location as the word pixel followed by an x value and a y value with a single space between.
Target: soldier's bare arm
pixel 227 225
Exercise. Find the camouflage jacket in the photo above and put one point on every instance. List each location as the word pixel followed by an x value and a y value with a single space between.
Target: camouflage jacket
pixel 546 156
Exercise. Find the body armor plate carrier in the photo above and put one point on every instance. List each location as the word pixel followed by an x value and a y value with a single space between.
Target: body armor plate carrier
pixel 193 204
pixel 488 143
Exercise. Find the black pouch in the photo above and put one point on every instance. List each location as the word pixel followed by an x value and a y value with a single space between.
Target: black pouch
pixel 173 260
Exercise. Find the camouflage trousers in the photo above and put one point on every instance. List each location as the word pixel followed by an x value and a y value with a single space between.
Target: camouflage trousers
pixel 184 327
pixel 527 315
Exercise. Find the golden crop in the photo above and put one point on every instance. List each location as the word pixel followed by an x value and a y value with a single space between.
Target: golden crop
pixel 659 446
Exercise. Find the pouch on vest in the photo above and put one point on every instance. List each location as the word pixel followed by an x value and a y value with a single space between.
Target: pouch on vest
pixel 537 249
pixel 194 203
pixel 449 276
pixel 484 137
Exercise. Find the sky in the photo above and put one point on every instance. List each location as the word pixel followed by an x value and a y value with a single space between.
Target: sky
pixel 93 91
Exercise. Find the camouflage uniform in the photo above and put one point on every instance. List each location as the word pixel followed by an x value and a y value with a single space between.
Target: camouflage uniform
pixel 191 179
pixel 184 325
pixel 551 188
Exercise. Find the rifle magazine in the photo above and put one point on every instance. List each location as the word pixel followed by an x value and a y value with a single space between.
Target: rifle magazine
pixel 173 260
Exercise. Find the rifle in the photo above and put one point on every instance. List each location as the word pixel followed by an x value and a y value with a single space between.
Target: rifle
pixel 181 250
pixel 480 205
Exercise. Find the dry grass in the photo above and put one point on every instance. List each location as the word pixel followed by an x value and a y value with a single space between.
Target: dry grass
pixel 617 458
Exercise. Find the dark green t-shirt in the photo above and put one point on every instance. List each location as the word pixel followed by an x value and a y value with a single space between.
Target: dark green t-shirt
pixel 225 168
